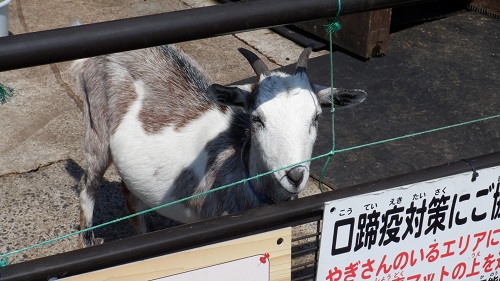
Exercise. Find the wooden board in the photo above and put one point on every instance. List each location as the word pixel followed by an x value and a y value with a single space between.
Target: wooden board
pixel 273 249
pixel 364 34
pixel 489 6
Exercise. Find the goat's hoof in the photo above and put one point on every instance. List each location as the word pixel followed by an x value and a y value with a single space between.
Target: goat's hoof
pixel 85 243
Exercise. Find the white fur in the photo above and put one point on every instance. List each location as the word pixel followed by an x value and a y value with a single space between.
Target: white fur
pixel 159 158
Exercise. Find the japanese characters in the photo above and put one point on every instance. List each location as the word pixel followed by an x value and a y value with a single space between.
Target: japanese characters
pixel 445 229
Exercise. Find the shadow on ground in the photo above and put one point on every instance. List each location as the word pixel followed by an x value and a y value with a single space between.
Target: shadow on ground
pixel 110 206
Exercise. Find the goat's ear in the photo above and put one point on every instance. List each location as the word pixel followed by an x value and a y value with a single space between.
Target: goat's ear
pixel 229 95
pixel 342 98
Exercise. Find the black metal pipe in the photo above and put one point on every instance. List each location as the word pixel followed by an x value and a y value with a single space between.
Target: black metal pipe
pixel 216 230
pixel 71 43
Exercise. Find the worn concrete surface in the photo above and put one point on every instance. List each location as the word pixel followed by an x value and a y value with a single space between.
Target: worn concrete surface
pixel 41 157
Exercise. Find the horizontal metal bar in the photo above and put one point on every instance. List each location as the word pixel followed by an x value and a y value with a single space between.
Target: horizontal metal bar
pixel 315 235
pixel 304 264
pixel 189 236
pixel 44 47
pixel 306 251
pixel 307 277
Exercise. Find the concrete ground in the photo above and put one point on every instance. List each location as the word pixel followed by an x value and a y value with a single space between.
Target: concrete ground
pixel 41 157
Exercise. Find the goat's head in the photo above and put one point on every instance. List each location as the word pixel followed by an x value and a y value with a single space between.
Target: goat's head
pixel 283 111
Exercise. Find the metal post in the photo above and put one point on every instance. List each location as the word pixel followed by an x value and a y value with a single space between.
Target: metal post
pixel 71 43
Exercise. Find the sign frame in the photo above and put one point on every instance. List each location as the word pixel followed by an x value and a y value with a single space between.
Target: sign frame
pixel 270 249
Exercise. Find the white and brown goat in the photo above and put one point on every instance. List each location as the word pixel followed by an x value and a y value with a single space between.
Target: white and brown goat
pixel 172 133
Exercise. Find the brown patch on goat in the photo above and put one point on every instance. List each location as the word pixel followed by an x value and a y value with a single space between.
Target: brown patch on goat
pixel 108 89
pixel 126 91
pixel 171 77
pixel 156 112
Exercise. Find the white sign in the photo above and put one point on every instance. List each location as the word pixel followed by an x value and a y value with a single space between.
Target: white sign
pixel 265 256
pixel 442 229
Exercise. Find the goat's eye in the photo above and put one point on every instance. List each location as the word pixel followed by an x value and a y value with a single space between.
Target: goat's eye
pixel 256 120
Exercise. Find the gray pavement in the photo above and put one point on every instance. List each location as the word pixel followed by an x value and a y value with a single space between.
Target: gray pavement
pixel 41 157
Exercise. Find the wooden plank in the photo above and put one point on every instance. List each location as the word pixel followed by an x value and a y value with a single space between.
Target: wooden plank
pixel 364 34
pixel 490 6
pixel 275 243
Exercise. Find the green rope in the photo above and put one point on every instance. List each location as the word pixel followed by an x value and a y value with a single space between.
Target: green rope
pixel 331 153
pixel 4 262
pixel 418 133
pixel 5 93
pixel 4 257
pixel 332 27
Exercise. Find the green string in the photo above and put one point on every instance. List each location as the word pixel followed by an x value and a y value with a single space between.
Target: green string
pixel 5 93
pixel 4 257
pixel 4 262
pixel 418 133
pixel 332 27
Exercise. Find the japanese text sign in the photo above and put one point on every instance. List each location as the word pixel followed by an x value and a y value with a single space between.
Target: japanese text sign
pixel 442 229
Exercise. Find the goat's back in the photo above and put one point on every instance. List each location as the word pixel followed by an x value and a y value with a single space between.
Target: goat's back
pixel 174 84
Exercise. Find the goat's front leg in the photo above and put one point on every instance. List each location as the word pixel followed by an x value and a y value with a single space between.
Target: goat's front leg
pixel 142 223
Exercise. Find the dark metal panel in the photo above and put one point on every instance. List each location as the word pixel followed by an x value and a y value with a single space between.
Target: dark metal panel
pixel 216 230
pixel 71 43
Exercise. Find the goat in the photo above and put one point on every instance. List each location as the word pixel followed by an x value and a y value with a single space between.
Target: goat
pixel 171 133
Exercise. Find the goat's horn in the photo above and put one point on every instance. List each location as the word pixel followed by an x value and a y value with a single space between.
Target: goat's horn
pixel 257 64
pixel 302 62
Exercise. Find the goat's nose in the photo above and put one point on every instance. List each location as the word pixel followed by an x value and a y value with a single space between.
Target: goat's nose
pixel 296 175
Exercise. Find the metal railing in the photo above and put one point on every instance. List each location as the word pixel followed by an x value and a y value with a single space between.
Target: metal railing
pixel 184 237
pixel 57 45
pixel 44 47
